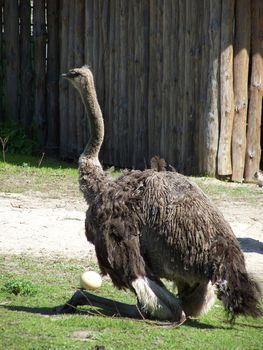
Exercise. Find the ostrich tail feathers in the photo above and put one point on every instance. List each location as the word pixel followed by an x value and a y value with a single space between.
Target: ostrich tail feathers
pixel 240 294
pixel 238 291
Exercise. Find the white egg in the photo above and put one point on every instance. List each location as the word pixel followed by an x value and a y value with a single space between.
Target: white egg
pixel 90 280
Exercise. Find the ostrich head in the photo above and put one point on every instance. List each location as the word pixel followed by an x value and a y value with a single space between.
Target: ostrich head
pixel 81 78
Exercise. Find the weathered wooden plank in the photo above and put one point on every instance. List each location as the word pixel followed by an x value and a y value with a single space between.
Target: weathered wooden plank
pixel 181 89
pixel 253 150
pixel 72 96
pixel 131 81
pixel 155 76
pixel 172 151
pixel 141 27
pixel 166 80
pixel 226 89
pixel 1 60
pixel 12 61
pixel 40 119
pixel 109 135
pixel 104 74
pixel 123 83
pixel 210 125
pixel 241 66
pixel 53 76
pixel 88 52
pixel 115 85
pixel 79 61
pixel 63 86
pixel 26 70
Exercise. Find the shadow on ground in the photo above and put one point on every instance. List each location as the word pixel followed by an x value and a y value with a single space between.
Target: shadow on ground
pixel 46 311
pixel 250 245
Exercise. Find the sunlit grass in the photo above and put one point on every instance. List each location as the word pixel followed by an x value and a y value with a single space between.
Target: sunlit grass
pixel 26 173
pixel 29 321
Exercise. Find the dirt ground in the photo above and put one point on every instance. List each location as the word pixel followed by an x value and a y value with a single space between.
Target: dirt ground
pixel 37 225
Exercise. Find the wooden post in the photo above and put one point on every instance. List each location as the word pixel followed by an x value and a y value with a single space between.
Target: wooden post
pixel 253 150
pixel 226 89
pixel 63 86
pixel 12 61
pixel 26 71
pixel 40 121
pixel 210 126
pixel 53 76
pixel 241 65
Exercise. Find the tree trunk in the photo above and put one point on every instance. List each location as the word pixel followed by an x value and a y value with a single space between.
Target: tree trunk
pixel 227 92
pixel 63 86
pixel 12 61
pixel 253 150
pixel 241 65
pixel 53 76
pixel 40 122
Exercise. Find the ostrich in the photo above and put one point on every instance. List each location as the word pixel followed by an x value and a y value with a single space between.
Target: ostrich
pixel 148 225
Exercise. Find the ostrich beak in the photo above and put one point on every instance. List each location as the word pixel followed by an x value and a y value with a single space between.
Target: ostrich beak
pixel 65 75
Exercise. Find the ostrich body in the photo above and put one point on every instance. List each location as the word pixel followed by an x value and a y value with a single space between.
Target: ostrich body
pixel 148 225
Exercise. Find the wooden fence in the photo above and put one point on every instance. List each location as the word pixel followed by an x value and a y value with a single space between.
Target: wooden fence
pixel 177 78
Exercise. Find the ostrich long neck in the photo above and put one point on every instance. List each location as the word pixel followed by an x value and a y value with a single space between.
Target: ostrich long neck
pixel 90 101
pixel 91 172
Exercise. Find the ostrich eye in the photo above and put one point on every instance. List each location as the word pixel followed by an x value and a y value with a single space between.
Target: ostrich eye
pixel 73 74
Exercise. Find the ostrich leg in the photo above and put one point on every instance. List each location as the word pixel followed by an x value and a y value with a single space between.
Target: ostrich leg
pixel 196 299
pixel 108 306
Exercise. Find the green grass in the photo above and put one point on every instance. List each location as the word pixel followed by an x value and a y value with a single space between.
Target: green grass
pixel 31 288
pixel 28 321
pixel 22 173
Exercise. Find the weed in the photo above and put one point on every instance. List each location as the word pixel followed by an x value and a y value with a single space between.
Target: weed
pixel 20 287
pixel 18 140
pixel 4 143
